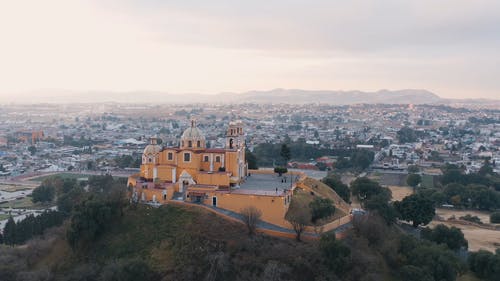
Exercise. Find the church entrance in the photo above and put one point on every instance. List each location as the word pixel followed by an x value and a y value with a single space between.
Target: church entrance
pixel 184 185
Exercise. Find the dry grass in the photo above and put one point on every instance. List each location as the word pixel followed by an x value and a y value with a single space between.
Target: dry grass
pixel 23 203
pixel 326 192
pixel 302 198
pixel 4 217
pixel 479 238
pixel 15 187
pixel 448 213
pixel 400 192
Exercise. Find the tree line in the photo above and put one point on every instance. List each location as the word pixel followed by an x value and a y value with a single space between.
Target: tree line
pixel 269 154
pixel 22 231
pixel 90 211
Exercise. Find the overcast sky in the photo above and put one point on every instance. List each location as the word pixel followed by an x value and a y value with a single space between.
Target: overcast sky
pixel 450 47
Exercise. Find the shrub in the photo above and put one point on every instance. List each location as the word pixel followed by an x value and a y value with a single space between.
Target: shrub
pixel 474 219
pixel 321 208
pixel 495 217
pixel 251 217
pixel 280 170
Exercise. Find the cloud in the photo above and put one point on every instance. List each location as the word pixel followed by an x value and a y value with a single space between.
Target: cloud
pixel 451 47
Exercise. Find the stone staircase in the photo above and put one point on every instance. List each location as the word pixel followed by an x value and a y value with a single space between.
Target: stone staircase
pixel 179 196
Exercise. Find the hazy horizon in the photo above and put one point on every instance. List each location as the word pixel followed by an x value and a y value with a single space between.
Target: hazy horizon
pixel 450 48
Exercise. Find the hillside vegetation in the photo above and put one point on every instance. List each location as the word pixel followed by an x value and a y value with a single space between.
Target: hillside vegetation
pixel 106 238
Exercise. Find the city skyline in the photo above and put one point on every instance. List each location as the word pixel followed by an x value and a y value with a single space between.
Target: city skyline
pixel 450 48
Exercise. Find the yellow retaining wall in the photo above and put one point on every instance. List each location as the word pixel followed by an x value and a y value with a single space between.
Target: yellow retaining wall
pixel 272 207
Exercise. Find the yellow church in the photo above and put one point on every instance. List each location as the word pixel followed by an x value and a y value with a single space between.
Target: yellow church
pixel 218 177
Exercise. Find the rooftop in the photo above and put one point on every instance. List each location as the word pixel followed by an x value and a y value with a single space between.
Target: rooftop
pixel 265 184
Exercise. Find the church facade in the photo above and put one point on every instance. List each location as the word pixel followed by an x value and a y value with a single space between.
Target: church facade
pixel 191 162
pixel 218 177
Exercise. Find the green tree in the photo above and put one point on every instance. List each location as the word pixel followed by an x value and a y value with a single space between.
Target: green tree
pixel 413 169
pixel 361 158
pixel 280 170
pixel 452 237
pixel 407 134
pixel 364 188
pixel 67 201
pixel 251 159
pixel 335 183
pixel 32 150
pixel 414 273
pixel 90 219
pixel 43 194
pixel 416 208
pixel 335 254
pixel 435 260
pixel 413 180
pixel 495 217
pixel 379 203
pixel 9 232
pixel 485 265
pixel 321 208
pixel 486 169
pixel 285 153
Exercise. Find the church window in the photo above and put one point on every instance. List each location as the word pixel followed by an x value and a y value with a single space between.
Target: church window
pixel 217 159
pixel 170 156
pixel 187 157
pixel 205 158
pixel 150 159
pixel 198 144
pixel 190 144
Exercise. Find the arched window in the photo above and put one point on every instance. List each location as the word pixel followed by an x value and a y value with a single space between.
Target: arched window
pixel 190 144
pixel 198 144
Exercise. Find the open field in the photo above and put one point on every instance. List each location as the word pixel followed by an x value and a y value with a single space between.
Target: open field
pixel 400 192
pixel 479 238
pixel 448 213
pixel 62 175
pixel 14 187
pixel 23 203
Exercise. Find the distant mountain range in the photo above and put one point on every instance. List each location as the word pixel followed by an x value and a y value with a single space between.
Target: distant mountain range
pixel 275 96
pixel 334 97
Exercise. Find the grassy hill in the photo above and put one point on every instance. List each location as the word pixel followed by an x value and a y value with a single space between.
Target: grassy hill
pixel 176 242
pixel 169 243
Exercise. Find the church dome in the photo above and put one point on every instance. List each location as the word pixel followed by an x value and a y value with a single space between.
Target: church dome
pixel 153 148
pixel 192 138
pixel 193 133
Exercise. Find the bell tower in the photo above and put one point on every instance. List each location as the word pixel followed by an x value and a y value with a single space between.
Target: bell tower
pixel 234 135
